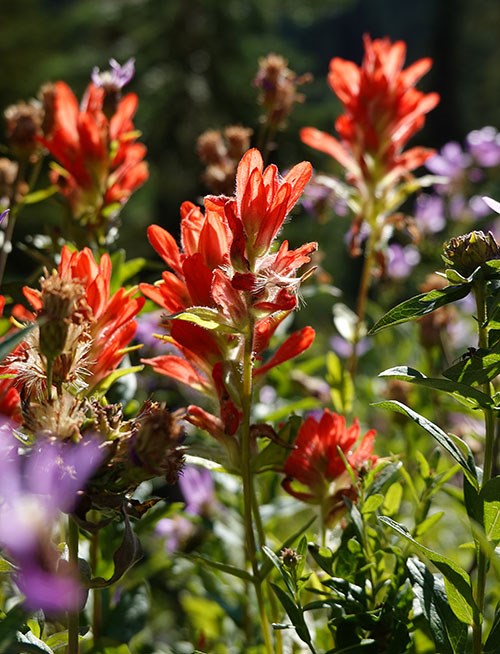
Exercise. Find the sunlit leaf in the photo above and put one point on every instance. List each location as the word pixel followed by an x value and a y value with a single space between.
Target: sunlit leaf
pixel 457 581
pixel 445 440
pixel 420 305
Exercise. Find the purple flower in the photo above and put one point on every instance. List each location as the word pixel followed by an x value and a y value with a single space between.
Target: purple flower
pixel 176 531
pixel 450 162
pixel 343 347
pixel 401 260
pixel 197 487
pixel 148 324
pixel 35 487
pixel 429 213
pixel 115 78
pixel 4 214
pixel 484 146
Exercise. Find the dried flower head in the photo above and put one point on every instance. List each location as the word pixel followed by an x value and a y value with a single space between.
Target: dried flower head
pixel 221 152
pixel 278 89
pixel 290 557
pixel 24 123
pixel 8 175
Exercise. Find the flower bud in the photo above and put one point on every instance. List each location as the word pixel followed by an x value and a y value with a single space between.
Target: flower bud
pixel 24 122
pixel 290 558
pixel 60 299
pixel 468 252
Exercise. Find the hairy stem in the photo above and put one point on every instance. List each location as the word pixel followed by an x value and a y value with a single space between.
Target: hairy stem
pixel 248 486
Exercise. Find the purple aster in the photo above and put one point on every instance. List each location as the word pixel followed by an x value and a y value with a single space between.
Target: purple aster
pixel 4 214
pixel 401 260
pixel 35 487
pixel 117 77
pixel 484 146
pixel 197 487
pixel 479 207
pixel 429 213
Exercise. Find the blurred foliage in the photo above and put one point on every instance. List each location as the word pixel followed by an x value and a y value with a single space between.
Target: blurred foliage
pixel 196 61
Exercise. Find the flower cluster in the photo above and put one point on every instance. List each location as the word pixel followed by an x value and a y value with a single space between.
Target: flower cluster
pixel 228 288
pixel 99 161
pixel 382 111
pixel 316 469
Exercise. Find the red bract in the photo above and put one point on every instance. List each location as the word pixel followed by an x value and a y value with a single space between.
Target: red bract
pixel 109 319
pixel 383 110
pixel 100 162
pixel 315 470
pixel 10 402
pixel 231 288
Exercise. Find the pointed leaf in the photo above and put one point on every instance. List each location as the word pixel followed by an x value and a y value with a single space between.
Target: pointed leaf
pixel 457 581
pixel 479 368
pixel 420 305
pixel 464 393
pixel 450 634
pixel 294 613
pixel 447 442
pixel 207 318
pixel 217 565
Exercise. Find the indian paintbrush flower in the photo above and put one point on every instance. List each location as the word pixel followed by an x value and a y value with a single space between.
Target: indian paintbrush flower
pixel 99 161
pixel 227 266
pixel 315 471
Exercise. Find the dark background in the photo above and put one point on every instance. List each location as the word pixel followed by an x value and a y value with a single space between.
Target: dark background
pixel 196 59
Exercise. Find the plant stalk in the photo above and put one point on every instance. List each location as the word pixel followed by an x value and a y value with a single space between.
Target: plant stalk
pixel 73 616
pixel 479 289
pixel 248 486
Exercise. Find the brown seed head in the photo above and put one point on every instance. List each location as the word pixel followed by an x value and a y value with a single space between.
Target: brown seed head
pixel 468 252
pixel 24 123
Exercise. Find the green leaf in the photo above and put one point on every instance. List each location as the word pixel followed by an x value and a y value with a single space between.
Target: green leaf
pixel 58 640
pixel 491 644
pixel 39 196
pixel 428 523
pixel 420 305
pixel 103 387
pixel 371 504
pixel 207 318
pixel 479 368
pixel 392 499
pixel 384 476
pixel 341 384
pixel 448 443
pixel 323 556
pixel 465 394
pixel 217 565
pixel 457 581
pixel 489 496
pixel 295 614
pixel 6 566
pixel 127 554
pixel 450 634
pixel 267 565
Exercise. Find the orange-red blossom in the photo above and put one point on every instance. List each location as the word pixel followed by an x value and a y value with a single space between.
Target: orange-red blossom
pixel 316 471
pixel 100 162
pixel 229 278
pixel 382 111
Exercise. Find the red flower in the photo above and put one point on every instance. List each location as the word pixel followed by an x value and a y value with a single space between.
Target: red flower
pixel 100 164
pixel 10 401
pixel 316 472
pixel 383 110
pixel 225 264
pixel 108 319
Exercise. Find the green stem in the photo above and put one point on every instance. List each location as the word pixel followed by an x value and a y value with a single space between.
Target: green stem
pixel 96 593
pixel 364 287
pixel 278 637
pixel 248 487
pixel 73 616
pixel 479 289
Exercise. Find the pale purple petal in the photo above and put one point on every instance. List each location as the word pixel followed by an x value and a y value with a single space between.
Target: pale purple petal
pixel 484 145
pixel 197 487
pixel 429 213
pixel 401 260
